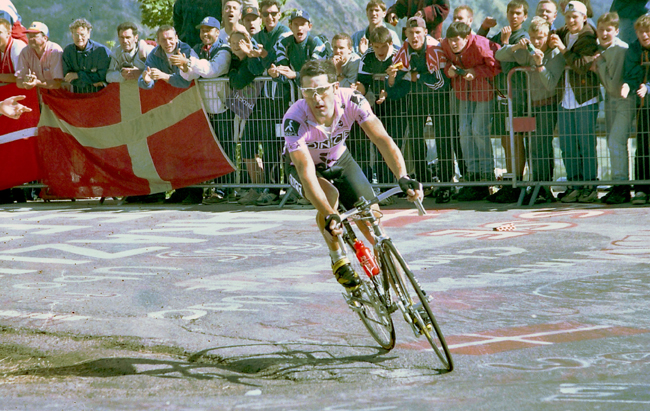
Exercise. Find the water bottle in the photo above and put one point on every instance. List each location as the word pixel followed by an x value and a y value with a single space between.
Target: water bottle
pixel 531 49
pixel 366 258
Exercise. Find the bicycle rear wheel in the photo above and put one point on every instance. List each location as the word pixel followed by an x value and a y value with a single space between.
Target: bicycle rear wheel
pixel 368 304
pixel 414 302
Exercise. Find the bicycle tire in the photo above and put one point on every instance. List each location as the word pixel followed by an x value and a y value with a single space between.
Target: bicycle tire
pixel 393 262
pixel 369 306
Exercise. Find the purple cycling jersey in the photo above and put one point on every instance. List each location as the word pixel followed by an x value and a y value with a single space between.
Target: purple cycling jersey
pixel 300 127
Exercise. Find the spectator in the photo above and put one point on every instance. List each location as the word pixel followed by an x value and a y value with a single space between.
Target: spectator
pixel 637 82
pixel 293 52
pixel 422 74
pixel 251 20
pixel 472 67
pixel 578 42
pixel 189 13
pixel 619 112
pixel 463 14
pixel 345 60
pixel 128 61
pixel 272 33
pixel 231 15
pixel 40 64
pixel 85 62
pixel 517 12
pixel 628 12
pixel 549 67
pixel 590 12
pixel 10 50
pixel 375 12
pixel 372 82
pixel 434 12
pixel 547 9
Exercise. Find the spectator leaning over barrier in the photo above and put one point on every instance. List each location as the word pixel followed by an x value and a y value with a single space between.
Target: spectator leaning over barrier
pixel 375 12
pixel 251 20
pixel 434 12
pixel 85 62
pixel 127 61
pixel 472 67
pixel 422 73
pixel 549 67
pixel 10 50
pixel 390 109
pixel 345 60
pixel 231 15
pixel 578 111
pixel 619 111
pixel 628 12
pixel 637 81
pixel 189 13
pixel 293 52
pixel 40 64
pixel 517 13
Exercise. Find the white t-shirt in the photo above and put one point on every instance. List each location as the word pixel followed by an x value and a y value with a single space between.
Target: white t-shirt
pixel 569 101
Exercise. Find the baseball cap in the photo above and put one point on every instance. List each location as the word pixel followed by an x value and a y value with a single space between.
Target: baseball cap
pixel 576 6
pixel 250 10
pixel 299 13
pixel 38 27
pixel 210 22
pixel 416 22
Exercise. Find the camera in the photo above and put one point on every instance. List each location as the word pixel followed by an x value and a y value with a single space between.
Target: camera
pixel 461 72
pixel 531 49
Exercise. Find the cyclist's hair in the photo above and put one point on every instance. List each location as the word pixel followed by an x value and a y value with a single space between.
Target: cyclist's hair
pixel 458 29
pixel 642 23
pixel 343 36
pixel 464 7
pixel 514 4
pixel 611 19
pixel 6 23
pixel 376 3
pixel 269 3
pixel 127 26
pixel 163 28
pixel 380 35
pixel 553 2
pixel 538 24
pixel 80 23
pixel 313 68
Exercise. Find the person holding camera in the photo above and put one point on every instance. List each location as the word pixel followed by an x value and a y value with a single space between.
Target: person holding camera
pixel 127 61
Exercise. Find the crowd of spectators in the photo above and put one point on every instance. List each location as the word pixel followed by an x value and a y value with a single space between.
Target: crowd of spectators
pixel 454 79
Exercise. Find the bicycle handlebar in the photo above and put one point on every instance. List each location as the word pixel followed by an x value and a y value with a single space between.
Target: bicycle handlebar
pixel 383 196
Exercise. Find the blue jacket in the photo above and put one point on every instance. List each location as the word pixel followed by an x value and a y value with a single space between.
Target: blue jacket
pixel 91 64
pixel 158 59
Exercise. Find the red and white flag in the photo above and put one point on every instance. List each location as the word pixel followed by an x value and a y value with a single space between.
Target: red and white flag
pixel 18 159
pixel 124 141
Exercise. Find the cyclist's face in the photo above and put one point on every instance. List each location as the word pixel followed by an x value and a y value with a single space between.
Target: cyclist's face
pixel 319 95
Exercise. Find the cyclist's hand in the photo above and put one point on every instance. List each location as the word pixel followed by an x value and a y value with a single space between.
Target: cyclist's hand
pixel 333 224
pixel 412 188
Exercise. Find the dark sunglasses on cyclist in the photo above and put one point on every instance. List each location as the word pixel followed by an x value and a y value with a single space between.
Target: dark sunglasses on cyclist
pixel 312 91
pixel 271 13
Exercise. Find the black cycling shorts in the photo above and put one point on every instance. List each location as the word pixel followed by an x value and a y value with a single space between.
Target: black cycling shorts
pixel 349 181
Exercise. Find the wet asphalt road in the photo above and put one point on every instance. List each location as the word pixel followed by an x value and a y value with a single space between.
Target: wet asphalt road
pixel 217 307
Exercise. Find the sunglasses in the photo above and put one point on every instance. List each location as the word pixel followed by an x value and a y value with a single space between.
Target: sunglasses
pixel 270 13
pixel 312 91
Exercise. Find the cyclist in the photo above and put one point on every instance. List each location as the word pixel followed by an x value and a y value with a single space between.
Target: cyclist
pixel 315 130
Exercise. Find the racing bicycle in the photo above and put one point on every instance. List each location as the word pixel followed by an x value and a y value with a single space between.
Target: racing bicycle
pixel 390 286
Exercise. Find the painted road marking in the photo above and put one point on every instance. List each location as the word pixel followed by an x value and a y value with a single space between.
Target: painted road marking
pixel 41 316
pixel 509 339
pixel 609 393
pixel 400 218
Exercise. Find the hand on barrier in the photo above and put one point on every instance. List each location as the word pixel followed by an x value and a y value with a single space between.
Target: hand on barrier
pixel 70 77
pixel 642 91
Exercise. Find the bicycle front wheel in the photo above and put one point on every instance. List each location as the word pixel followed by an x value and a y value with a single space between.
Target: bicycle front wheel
pixel 414 302
pixel 372 311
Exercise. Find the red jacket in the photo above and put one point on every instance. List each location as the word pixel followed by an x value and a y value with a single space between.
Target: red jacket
pixel 435 12
pixel 478 55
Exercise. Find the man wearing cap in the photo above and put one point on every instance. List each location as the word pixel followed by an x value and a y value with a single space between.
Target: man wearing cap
pixel 127 61
pixel 10 50
pixel 85 62
pixel 578 43
pixel 292 52
pixel 251 20
pixel 213 58
pixel 40 64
